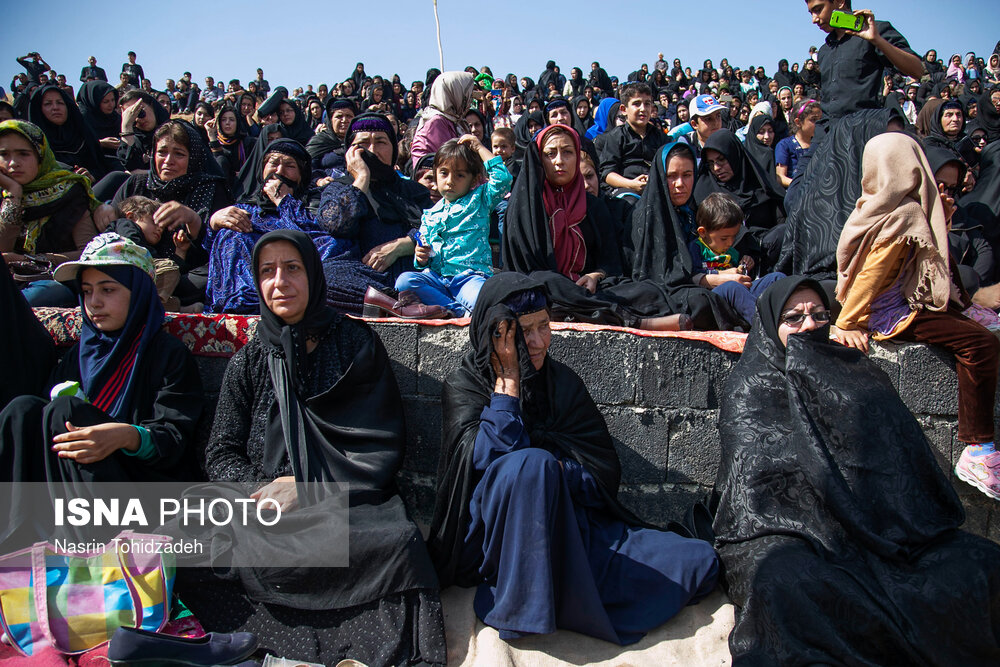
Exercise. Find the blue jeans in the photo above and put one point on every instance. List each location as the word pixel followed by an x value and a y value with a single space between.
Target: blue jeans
pixel 745 300
pixel 458 293
pixel 49 293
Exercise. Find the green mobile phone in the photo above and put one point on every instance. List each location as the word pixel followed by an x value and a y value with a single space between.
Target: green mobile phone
pixel 846 21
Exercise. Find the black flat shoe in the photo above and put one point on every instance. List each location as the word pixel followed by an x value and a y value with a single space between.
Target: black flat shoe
pixel 132 646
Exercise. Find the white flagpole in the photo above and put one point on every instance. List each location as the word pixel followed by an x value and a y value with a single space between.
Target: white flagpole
pixel 438 24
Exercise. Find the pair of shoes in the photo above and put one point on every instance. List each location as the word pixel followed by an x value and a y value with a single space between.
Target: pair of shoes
pixel 406 306
pixel 132 646
pixel 982 472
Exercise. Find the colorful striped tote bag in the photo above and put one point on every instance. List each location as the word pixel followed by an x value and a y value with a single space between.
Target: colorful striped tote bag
pixel 74 602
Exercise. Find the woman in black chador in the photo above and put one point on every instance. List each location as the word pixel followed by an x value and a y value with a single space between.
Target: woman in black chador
pixel 838 530
pixel 312 400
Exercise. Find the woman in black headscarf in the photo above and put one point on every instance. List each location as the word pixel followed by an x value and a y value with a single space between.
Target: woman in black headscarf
pixel 70 137
pixel 98 102
pixel 784 76
pixel 726 167
pixel 581 105
pixel 525 129
pixel 972 253
pixel 370 205
pixel 663 225
pixel 760 143
pixel 564 237
pixel 358 76
pixel 233 146
pixel 189 199
pixel 827 192
pixel 327 147
pixel 141 115
pixel 246 104
pixel 837 528
pixel 247 181
pixel 527 464
pixel 931 63
pixel 284 200
pixel 946 126
pixel 296 125
pixel 988 117
pixel 309 402
pixel 576 83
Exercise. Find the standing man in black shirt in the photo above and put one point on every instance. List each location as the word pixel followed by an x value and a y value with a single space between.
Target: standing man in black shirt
pixel 92 72
pixel 34 65
pixel 134 72
pixel 851 63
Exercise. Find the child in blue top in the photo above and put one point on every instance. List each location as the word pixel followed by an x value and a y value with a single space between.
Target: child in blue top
pixel 454 234
pixel 718 263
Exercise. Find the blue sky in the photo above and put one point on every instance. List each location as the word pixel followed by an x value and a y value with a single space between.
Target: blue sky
pixel 312 42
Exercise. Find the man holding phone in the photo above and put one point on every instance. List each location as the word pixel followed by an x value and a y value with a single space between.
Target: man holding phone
pixel 851 62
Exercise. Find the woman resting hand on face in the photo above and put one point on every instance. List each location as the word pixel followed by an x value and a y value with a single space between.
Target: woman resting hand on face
pixel 528 467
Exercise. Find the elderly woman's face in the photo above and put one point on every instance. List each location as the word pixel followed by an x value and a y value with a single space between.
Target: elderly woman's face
pixel 281 165
pixel 802 302
pixel 475 125
pixel 377 143
pixel 340 120
pixel 284 285
pixel 559 159
pixel 537 335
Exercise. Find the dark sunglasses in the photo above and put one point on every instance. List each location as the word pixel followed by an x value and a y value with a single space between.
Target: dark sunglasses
pixel 796 319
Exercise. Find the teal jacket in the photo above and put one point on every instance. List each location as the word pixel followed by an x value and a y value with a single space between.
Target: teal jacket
pixel 459 231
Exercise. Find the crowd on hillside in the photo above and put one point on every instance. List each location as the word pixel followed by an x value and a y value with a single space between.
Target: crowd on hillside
pixel 854 196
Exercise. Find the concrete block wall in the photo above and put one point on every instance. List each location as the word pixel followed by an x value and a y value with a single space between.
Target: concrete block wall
pixel 660 397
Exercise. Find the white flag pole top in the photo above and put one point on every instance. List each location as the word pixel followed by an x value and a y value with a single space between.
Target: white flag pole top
pixel 438 24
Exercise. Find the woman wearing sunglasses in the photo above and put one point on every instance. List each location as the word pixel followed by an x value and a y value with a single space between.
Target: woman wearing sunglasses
pixel 833 508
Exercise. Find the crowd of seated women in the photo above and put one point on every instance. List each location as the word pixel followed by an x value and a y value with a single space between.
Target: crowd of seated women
pixel 670 201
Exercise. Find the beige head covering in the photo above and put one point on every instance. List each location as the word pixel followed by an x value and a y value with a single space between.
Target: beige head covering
pixel 451 97
pixel 899 203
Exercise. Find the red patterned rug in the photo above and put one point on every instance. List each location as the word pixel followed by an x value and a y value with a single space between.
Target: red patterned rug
pixel 219 335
